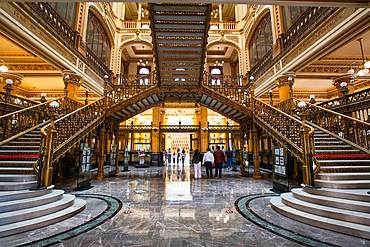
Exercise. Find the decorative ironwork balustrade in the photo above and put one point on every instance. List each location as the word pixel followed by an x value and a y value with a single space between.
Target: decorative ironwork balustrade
pixel 302 24
pixel 96 64
pixel 14 101
pixel 356 105
pixel 262 65
pixel 73 127
pixel 126 78
pixel 16 122
pixel 349 128
pixel 136 127
pixel 282 127
pixel 135 24
pixel 227 89
pixel 223 127
pixel 50 16
pixel 179 128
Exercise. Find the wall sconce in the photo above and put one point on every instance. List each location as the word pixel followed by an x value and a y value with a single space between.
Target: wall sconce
pixel 155 129
pixel 204 129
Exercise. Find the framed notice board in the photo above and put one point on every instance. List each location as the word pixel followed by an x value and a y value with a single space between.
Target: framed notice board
pixel 280 176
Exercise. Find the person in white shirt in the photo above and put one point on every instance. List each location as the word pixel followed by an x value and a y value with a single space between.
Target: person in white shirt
pixel 208 160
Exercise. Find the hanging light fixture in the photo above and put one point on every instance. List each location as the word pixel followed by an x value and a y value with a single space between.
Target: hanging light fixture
pixel 217 63
pixel 141 61
pixel 3 67
pixel 363 69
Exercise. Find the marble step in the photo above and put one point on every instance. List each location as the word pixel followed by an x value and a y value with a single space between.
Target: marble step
pixel 23 194
pixel 26 163
pixel 34 212
pixel 29 138
pixel 344 184
pixel 342 151
pixel 7 186
pixel 16 170
pixel 328 143
pixel 12 151
pixel 28 143
pixel 42 221
pixel 328 212
pixel 19 147
pixel 344 176
pixel 17 178
pixel 341 226
pixel 320 135
pixel 33 134
pixel 8 206
pixel 348 194
pixel 343 161
pixel 324 138
pixel 358 206
pixel 333 146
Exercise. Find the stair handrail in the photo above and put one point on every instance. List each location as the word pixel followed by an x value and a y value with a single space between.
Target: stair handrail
pixel 352 129
pixel 24 119
pixel 74 126
pixel 258 104
pixel 234 85
pixel 343 100
pixel 25 102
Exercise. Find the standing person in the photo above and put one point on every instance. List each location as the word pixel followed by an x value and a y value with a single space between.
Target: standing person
pixel 219 161
pixel 223 150
pixel 178 155
pixel 213 149
pixel 208 160
pixel 169 156
pixel 229 157
pixel 183 156
pixel 197 164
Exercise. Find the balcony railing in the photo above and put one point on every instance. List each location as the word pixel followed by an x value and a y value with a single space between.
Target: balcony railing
pixel 219 25
pixel 95 63
pixel 50 16
pixel 302 24
pixel 262 65
pixel 223 127
pixel 135 127
pixel 135 24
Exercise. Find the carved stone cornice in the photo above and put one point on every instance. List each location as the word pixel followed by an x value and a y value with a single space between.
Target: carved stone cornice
pixel 32 67
pixel 284 80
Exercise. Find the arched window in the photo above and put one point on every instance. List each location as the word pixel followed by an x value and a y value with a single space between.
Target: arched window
pixel 67 11
pixel 261 41
pixel 216 71
pixel 291 14
pixel 97 39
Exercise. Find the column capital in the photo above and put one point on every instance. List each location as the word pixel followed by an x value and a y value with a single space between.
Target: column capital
pixel 70 77
pixel 286 79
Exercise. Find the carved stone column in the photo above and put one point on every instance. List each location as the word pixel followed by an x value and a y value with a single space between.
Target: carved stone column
pixel 204 133
pixel 233 69
pixel 155 129
pixel 197 134
pixel 72 83
pixel 285 85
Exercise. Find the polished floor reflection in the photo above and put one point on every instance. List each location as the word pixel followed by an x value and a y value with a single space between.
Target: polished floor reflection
pixel 166 206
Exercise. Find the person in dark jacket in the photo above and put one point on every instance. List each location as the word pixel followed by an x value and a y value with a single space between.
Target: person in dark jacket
pixel 219 161
pixel 197 163
pixel 229 156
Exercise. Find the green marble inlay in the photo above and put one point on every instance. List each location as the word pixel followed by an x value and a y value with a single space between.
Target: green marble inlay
pixel 114 205
pixel 242 206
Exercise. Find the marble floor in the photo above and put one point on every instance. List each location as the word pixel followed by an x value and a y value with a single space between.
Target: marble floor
pixel 166 206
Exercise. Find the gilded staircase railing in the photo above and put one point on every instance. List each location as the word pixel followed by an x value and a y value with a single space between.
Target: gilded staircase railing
pixel 68 130
pixel 14 101
pixel 14 123
pixel 349 128
pixel 296 135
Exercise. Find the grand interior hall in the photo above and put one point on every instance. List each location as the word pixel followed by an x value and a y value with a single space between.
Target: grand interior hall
pixel 223 123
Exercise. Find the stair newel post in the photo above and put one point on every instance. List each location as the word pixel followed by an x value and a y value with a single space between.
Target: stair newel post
pixel 102 138
pixel 255 142
pixel 47 170
pixel 305 141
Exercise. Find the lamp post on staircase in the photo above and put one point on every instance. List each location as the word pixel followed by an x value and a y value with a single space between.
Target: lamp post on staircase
pixel 47 171
pixel 305 141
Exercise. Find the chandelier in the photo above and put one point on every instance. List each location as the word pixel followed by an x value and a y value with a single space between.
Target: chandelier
pixel 141 61
pixel 3 67
pixel 217 63
pixel 363 68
